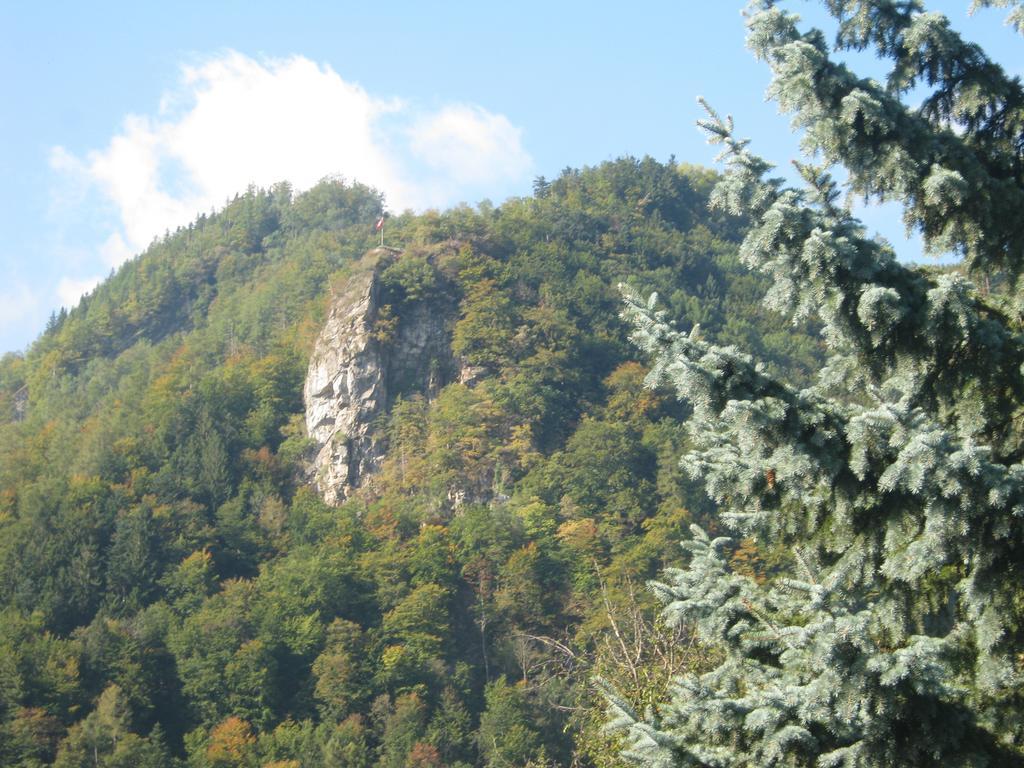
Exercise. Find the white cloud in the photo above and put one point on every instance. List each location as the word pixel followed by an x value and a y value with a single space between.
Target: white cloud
pixel 114 250
pixel 70 291
pixel 235 121
pixel 470 144
pixel 16 302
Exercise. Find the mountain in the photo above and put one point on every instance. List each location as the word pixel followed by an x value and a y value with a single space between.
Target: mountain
pixel 274 495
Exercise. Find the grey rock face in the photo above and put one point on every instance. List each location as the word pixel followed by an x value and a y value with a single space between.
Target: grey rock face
pixel 345 389
pixel 21 403
pixel 353 378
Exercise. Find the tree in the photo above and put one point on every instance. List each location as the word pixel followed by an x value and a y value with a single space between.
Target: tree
pixel 131 561
pixel 231 745
pixel 507 735
pixel 337 670
pixel 416 632
pixel 347 744
pixel 896 478
pixel 403 729
pixel 104 739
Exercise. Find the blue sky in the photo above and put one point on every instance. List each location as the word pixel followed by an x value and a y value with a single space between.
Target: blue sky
pixel 122 120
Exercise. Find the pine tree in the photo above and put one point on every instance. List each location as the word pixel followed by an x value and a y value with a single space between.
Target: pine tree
pixel 896 479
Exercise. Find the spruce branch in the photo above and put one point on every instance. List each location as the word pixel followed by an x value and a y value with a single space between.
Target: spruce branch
pixel 892 152
pixel 1015 18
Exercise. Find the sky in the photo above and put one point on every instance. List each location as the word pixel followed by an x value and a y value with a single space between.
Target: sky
pixel 124 120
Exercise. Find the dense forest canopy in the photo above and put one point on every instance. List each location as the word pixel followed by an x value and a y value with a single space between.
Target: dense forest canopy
pixel 174 592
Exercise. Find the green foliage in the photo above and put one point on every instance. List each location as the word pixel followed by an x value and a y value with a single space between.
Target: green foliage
pixel 412 277
pixel 893 635
pixel 1016 16
pixel 104 740
pixel 507 736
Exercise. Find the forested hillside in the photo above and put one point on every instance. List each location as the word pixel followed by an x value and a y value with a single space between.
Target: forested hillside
pixel 174 591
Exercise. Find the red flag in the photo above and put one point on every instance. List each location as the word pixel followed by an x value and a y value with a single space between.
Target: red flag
pixel 380 224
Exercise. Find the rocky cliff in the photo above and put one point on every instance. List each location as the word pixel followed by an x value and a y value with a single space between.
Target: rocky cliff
pixel 364 358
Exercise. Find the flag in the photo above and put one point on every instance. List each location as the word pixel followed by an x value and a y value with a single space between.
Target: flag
pixel 380 224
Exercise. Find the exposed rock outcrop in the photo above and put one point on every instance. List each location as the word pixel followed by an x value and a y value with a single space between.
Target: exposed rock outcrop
pixel 21 403
pixel 357 371
pixel 345 389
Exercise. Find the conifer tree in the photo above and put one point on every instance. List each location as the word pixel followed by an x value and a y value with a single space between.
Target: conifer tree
pixel 896 479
